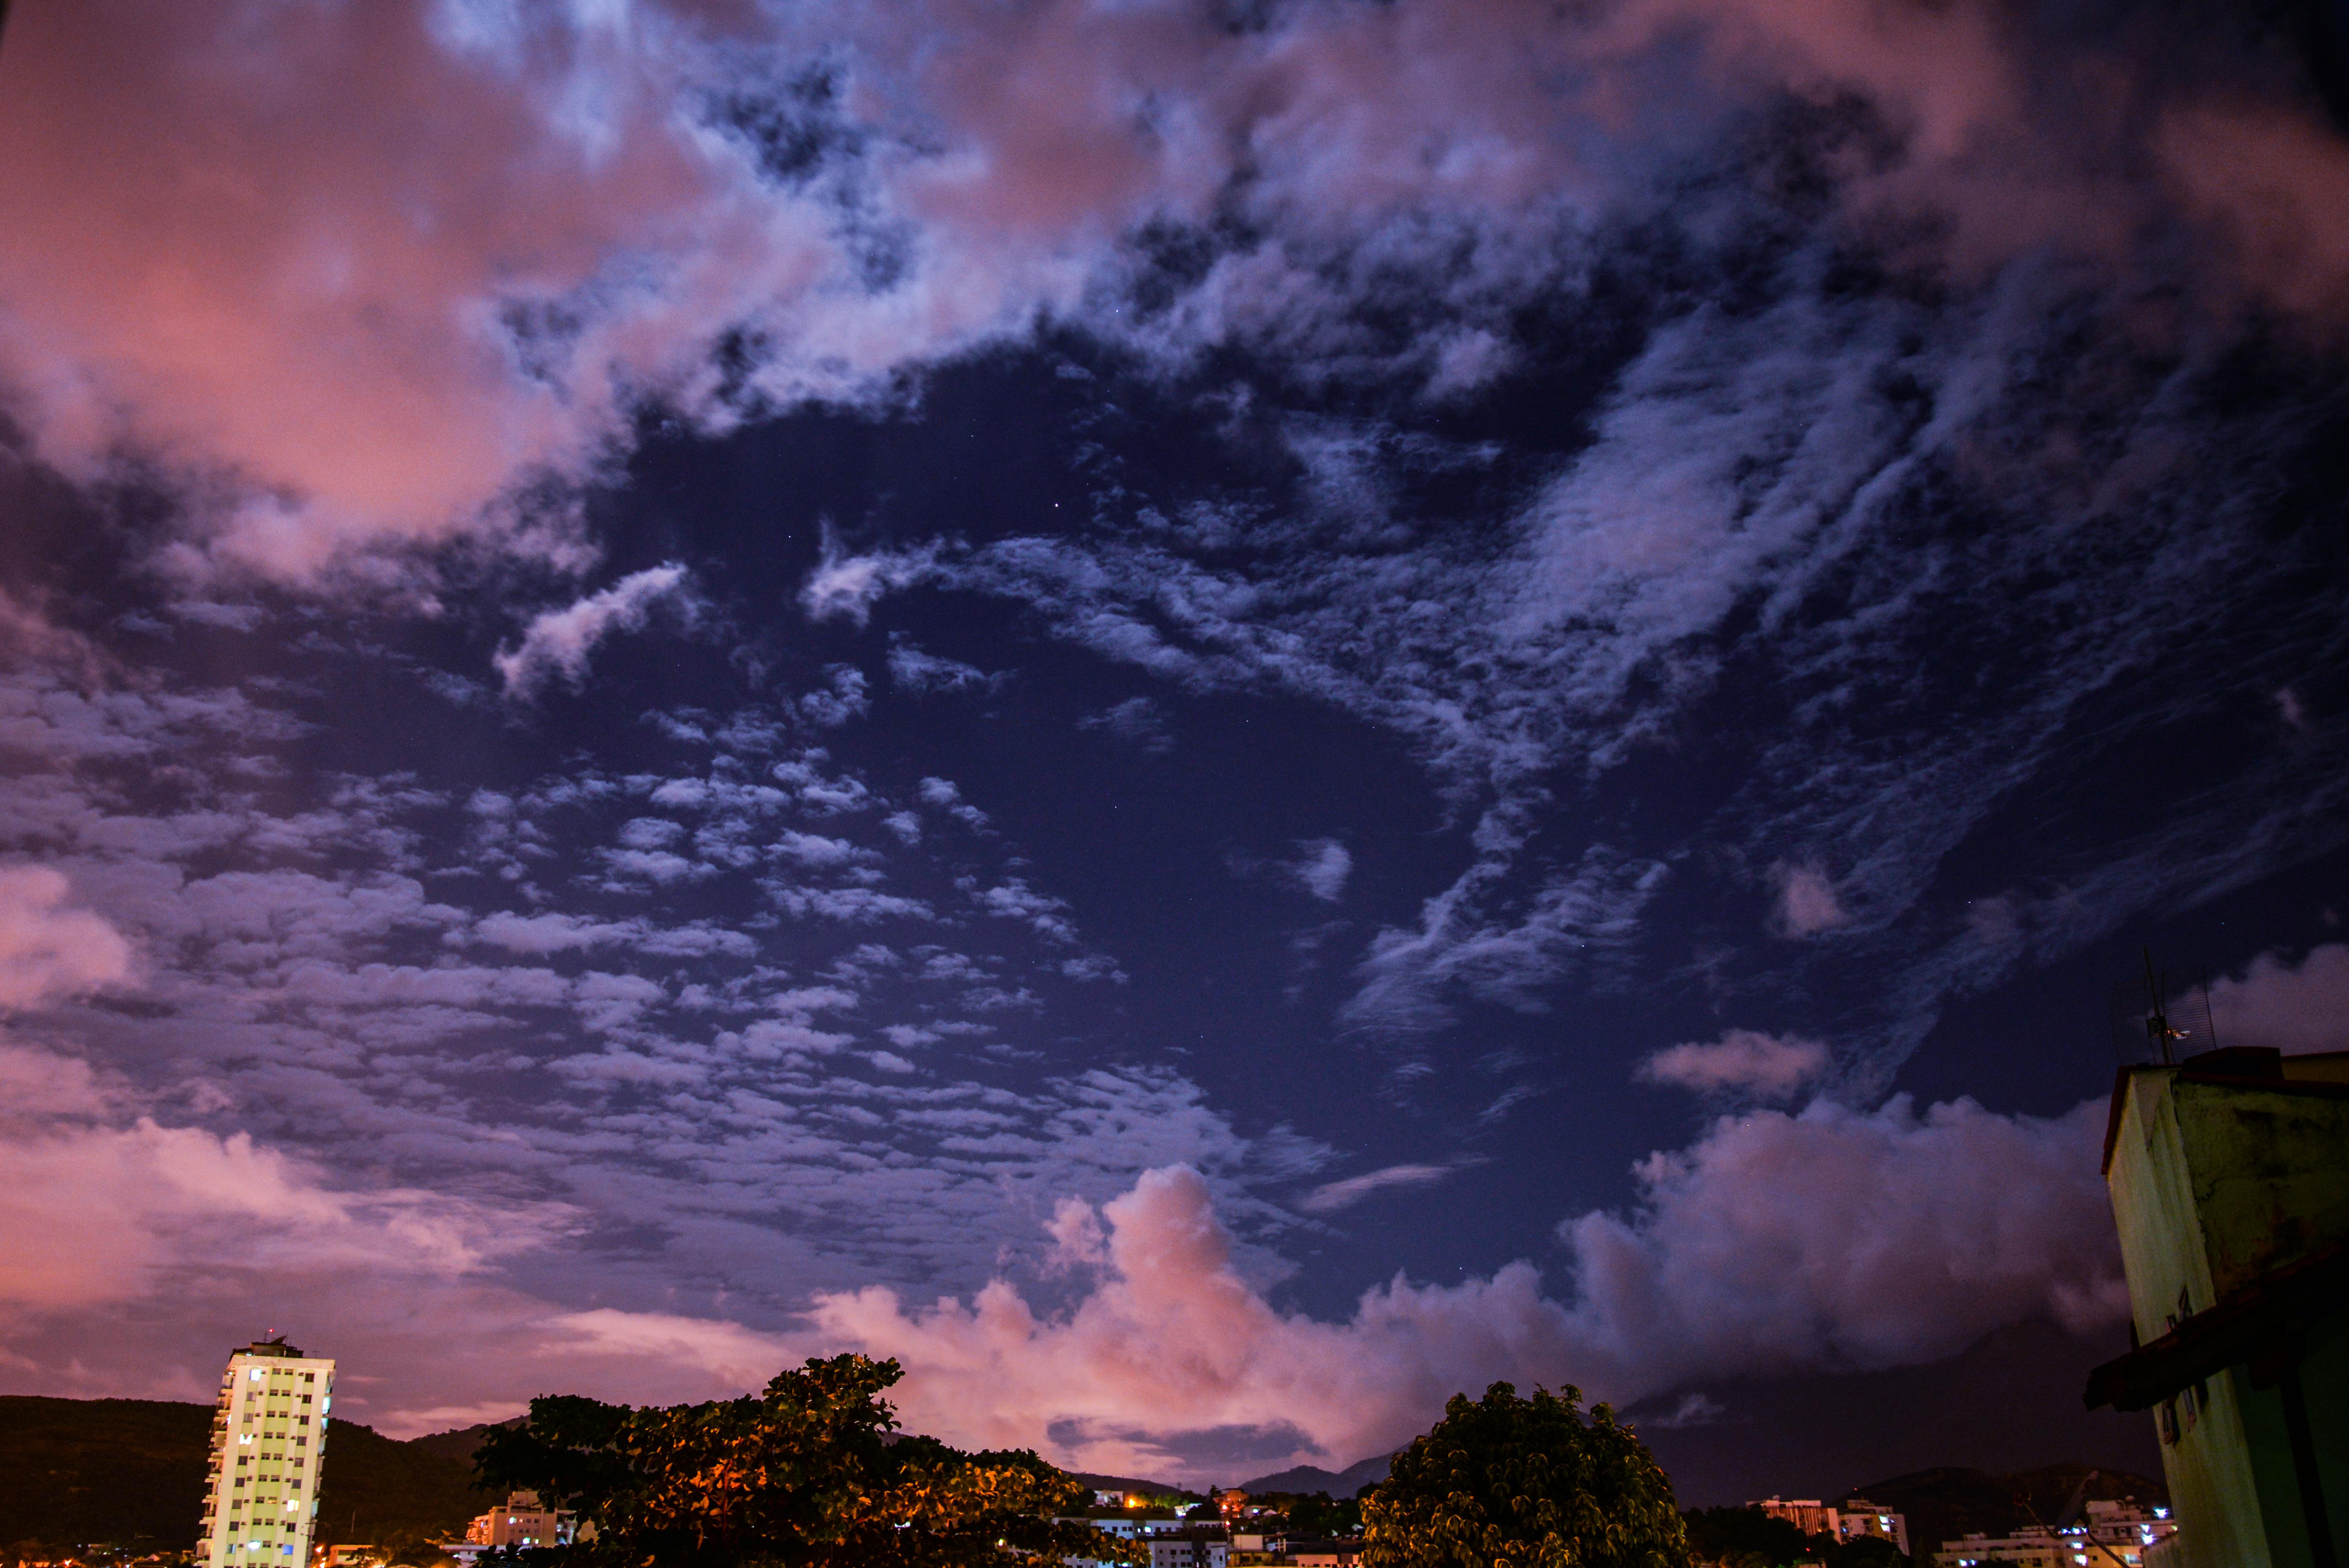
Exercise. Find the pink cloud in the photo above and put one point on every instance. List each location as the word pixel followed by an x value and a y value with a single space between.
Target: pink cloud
pixel 556 643
pixel 288 287
pixel 1834 1238
pixel 1332 1196
pixel 1843 1238
pixel 48 950
pixel 1831 1238
pixel 2294 1007
pixel 1807 901
pixel 2275 183
pixel 99 1208
pixel 362 277
pixel 1769 1067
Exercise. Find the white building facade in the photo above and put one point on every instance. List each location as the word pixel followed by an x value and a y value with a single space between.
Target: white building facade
pixel 269 1442
pixel 1854 1517
pixel 2110 1535
pixel 521 1520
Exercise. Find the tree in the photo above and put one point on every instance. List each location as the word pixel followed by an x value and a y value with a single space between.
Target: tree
pixel 1320 1514
pixel 1745 1538
pixel 804 1475
pixel 1511 1482
pixel 1749 1538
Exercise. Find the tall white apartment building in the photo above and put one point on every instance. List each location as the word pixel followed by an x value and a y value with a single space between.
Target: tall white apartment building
pixel 269 1440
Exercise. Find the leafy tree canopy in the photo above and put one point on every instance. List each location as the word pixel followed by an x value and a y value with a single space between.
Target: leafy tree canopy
pixel 802 1475
pixel 1320 1514
pixel 1512 1482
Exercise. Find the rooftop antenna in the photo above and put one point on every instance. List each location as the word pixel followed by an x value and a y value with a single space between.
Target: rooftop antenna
pixel 2157 1020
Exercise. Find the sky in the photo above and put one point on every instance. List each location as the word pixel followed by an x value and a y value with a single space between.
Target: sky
pixel 1212 717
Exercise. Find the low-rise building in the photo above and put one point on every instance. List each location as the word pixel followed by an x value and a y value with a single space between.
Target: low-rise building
pixel 1857 1518
pixel 1807 1515
pixel 1190 1549
pixel 521 1520
pixel 1141 1524
pixel 2108 1535
pixel 1849 1520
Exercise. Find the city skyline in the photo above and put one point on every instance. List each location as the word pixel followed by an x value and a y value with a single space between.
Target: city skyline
pixel 1214 719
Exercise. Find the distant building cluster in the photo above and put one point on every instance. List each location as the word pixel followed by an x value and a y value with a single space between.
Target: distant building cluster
pixel 1854 1519
pixel 1226 1532
pixel 268 1439
pixel 522 1520
pixel 2108 1535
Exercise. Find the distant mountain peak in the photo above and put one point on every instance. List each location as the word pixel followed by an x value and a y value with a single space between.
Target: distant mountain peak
pixel 1310 1479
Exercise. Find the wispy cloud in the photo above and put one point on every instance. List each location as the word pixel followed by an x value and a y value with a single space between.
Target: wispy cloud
pixel 1139 721
pixel 1323 869
pixel 1332 1196
pixel 914 670
pixel 557 642
pixel 1768 1067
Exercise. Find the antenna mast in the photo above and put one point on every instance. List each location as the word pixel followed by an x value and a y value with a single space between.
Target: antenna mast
pixel 2157 1020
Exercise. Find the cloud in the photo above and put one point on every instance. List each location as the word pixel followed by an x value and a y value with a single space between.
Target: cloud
pixel 1768 1067
pixel 1832 1239
pixel 99 1207
pixel 437 259
pixel 1488 939
pixel 2294 1007
pixel 1808 904
pixel 847 586
pixel 558 642
pixel 1323 871
pixel 1139 721
pixel 48 950
pixel 2292 710
pixel 1332 1196
pixel 1694 1411
pixel 844 701
pixel 1844 1238
pixel 914 670
pixel 735 1355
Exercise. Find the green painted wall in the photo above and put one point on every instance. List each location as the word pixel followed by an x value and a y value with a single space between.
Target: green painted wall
pixel 2212 1185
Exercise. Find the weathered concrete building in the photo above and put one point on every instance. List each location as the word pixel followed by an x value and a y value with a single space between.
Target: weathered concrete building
pixel 2229 1181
